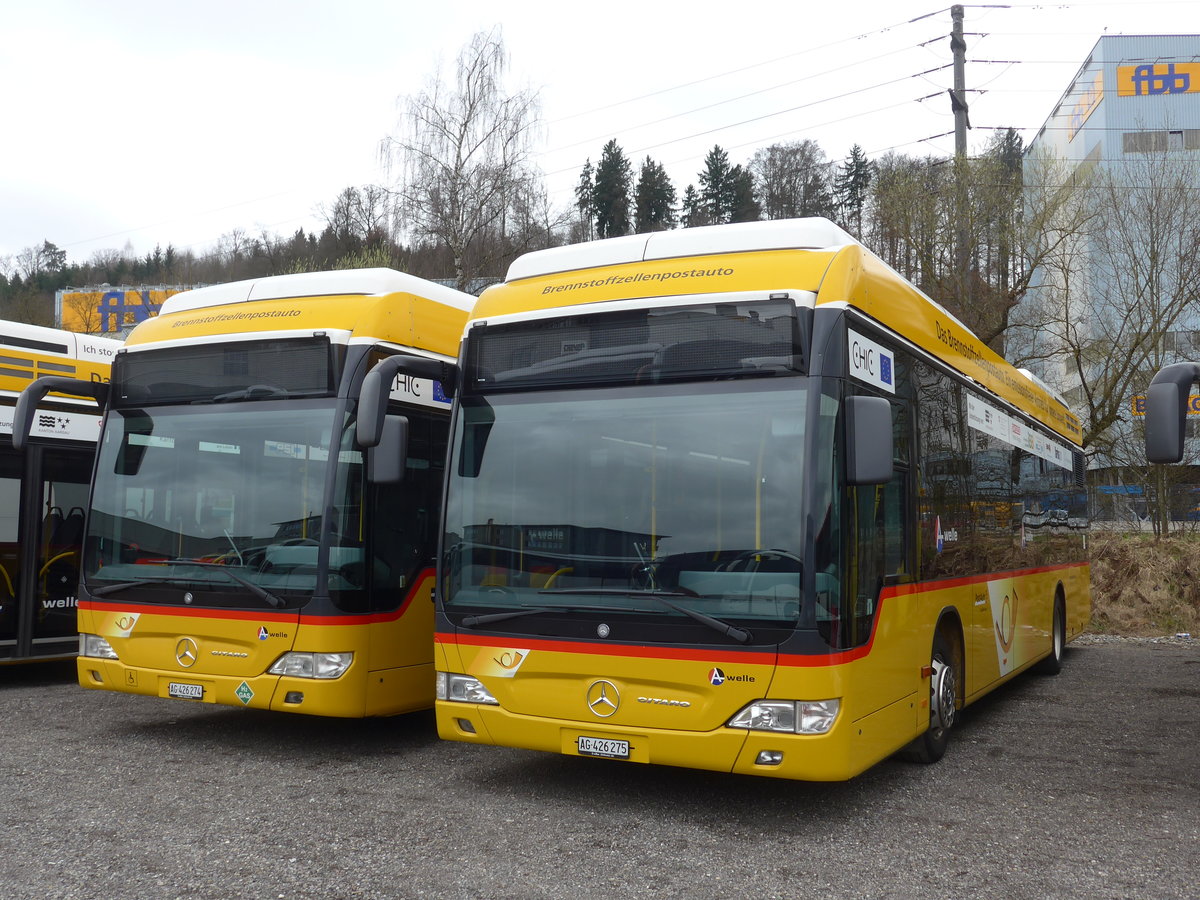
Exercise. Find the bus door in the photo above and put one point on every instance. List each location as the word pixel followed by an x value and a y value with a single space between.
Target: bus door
pixel 41 531
pixel 10 543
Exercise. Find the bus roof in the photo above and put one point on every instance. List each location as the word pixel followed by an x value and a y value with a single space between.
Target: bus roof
pixel 376 305
pixel 812 255
pixel 341 283
pixel 786 234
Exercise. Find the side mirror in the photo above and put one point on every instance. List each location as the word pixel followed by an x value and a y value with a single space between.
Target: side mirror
pixel 386 460
pixel 1166 411
pixel 377 387
pixel 868 440
pixel 34 393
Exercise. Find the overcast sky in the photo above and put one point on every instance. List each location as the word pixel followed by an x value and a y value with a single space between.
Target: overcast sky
pixel 142 122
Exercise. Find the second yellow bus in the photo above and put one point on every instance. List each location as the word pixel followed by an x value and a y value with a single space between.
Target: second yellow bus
pixel 262 521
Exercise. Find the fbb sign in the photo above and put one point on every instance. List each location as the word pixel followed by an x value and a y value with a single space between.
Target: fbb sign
pixel 110 310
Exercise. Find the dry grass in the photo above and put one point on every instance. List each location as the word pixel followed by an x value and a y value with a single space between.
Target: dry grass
pixel 1143 586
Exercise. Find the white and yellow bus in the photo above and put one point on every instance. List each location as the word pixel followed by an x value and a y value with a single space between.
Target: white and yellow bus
pixel 740 498
pixel 43 487
pixel 264 511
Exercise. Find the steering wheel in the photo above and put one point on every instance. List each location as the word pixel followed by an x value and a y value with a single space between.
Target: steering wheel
pixel 742 558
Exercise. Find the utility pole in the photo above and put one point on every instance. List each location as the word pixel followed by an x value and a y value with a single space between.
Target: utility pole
pixel 958 97
pixel 958 103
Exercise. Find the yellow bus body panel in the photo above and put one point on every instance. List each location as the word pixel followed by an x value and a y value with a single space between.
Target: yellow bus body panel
pixel 542 685
pixel 391 673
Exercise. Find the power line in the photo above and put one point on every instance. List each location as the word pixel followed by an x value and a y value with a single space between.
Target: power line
pixel 751 67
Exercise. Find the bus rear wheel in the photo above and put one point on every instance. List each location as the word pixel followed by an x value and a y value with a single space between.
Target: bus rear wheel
pixel 943 706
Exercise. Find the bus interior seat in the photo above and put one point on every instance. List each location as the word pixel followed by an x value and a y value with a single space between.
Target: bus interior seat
pixel 70 532
pixel 52 524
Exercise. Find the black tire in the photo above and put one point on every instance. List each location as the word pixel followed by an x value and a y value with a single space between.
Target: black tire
pixel 1052 664
pixel 931 746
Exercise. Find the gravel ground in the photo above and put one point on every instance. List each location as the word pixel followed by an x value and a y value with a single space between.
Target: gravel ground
pixel 1082 785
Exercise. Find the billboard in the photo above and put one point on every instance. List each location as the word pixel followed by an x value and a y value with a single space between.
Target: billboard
pixel 109 310
pixel 1152 79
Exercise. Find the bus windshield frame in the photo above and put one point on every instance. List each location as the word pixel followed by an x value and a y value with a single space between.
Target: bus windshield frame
pixel 222 505
pixel 527 538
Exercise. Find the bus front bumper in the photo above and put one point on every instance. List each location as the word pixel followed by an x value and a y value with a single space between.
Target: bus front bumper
pixel 826 757
pixel 343 697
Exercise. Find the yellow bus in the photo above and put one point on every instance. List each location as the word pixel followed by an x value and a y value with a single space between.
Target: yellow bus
pixel 740 498
pixel 43 488
pixel 263 516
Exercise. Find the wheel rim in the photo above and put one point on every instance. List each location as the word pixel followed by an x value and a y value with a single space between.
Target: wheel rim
pixel 1059 636
pixel 942 697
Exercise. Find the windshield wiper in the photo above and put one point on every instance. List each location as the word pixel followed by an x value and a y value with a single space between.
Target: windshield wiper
pixel 741 635
pixel 257 590
pixel 125 585
pixel 488 618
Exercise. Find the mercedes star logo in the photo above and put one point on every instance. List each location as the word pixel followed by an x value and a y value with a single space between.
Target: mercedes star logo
pixel 603 698
pixel 186 652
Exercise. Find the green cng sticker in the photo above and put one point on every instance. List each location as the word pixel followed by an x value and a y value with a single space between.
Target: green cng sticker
pixel 244 693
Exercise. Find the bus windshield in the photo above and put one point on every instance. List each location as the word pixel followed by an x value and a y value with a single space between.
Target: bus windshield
pixel 224 499
pixel 615 499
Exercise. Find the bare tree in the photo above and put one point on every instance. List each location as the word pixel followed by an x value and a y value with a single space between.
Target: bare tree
pixel 793 179
pixel 464 159
pixel 81 312
pixel 1118 300
pixel 974 250
pixel 1115 303
pixel 33 262
pixel 363 214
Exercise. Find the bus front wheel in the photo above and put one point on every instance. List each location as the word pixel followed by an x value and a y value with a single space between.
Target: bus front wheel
pixel 1052 664
pixel 943 705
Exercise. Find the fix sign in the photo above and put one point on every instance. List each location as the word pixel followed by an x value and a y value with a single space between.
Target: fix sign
pixel 871 362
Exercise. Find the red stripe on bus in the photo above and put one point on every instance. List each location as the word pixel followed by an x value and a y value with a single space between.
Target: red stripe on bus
pixel 241 615
pixel 783 658
pixel 962 581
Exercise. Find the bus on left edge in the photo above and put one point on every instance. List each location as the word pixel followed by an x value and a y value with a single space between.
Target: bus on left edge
pixel 44 487
pixel 261 528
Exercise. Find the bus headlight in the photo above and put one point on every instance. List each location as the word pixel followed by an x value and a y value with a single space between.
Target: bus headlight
pixel 94 645
pixel 463 689
pixel 312 665
pixel 789 716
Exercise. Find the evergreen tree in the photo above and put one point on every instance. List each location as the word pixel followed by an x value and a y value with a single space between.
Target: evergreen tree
pixel 654 201
pixel 585 201
pixel 613 185
pixel 850 188
pixel 716 187
pixel 691 212
pixel 743 205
